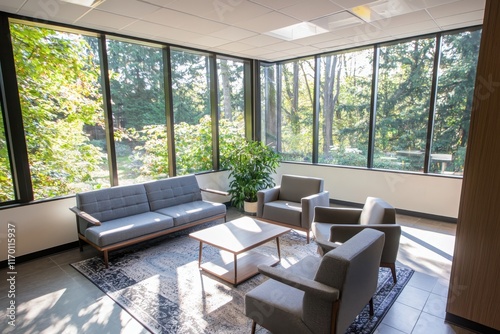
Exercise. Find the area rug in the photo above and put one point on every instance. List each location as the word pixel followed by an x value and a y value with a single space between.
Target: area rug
pixel 160 285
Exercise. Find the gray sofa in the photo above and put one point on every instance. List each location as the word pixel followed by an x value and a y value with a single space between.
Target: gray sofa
pixel 116 217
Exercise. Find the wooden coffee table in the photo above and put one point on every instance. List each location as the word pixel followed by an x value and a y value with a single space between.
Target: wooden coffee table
pixel 238 237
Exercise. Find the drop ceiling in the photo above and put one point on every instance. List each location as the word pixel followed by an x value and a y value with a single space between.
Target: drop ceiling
pixel 244 28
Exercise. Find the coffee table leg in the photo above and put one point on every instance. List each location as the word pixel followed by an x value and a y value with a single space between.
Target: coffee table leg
pixel 199 254
pixel 235 270
pixel 278 245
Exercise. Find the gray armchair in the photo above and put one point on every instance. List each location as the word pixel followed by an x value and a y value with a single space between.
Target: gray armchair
pixel 319 295
pixel 292 202
pixel 333 226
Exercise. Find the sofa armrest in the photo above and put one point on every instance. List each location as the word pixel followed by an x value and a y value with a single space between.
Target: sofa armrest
pixel 309 203
pixel 85 216
pixel 264 196
pixel 214 191
pixel 310 286
pixel 332 215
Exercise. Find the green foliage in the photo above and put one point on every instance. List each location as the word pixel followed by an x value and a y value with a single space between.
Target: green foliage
pixel 251 167
pixel 60 93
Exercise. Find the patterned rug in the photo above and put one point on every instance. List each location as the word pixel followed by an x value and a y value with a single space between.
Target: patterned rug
pixel 160 285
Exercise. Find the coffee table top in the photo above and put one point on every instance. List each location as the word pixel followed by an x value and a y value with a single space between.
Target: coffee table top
pixel 239 235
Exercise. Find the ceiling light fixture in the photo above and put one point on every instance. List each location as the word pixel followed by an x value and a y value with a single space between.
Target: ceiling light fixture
pixel 86 3
pixel 296 31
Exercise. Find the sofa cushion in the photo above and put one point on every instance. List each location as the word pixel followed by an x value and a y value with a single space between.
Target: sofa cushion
pixel 172 191
pixel 293 188
pixel 283 211
pixel 122 229
pixel 113 203
pixel 192 211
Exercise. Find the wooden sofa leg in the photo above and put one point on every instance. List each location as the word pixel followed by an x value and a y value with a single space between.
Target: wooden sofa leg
pixel 105 254
pixel 371 307
pixel 307 233
pixel 254 324
pixel 80 243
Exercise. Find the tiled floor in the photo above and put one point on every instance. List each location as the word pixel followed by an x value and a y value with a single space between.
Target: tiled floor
pixel 52 297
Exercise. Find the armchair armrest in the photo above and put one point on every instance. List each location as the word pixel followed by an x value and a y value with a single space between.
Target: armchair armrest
pixel 264 196
pixel 332 215
pixel 85 216
pixel 342 233
pixel 318 289
pixel 309 203
pixel 326 245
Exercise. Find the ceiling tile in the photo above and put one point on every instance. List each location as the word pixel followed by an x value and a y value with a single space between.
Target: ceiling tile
pixel 184 21
pixel 233 33
pixel 456 8
pixel 331 45
pixel 260 40
pixel 276 4
pixel 312 9
pixel 235 14
pixel 400 20
pixel 457 19
pixel 11 6
pixel 160 3
pixel 194 7
pixel 235 46
pixel 268 22
pixel 414 29
pixel 208 41
pixel 131 8
pixel 53 11
pixel 105 19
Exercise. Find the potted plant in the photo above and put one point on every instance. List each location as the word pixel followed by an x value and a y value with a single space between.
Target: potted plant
pixel 251 167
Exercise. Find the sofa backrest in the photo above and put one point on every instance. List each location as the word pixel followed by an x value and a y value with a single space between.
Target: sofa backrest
pixel 377 211
pixel 112 203
pixel 293 188
pixel 172 191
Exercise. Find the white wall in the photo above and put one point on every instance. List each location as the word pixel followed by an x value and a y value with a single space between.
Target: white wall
pixel 38 226
pixel 414 192
pixel 50 224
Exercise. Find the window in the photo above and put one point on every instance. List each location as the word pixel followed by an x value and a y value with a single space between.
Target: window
pixel 457 73
pixel 297 93
pixel 345 93
pixel 6 184
pixel 403 100
pixel 61 101
pixel 138 105
pixel 231 74
pixel 192 113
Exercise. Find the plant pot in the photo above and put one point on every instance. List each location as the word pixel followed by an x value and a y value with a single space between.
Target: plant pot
pixel 250 208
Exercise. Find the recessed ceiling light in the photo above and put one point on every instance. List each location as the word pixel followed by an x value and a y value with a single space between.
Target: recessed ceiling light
pixel 339 20
pixel 86 3
pixel 296 31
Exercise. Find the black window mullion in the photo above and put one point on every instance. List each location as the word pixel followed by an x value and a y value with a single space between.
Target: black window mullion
pixel 169 110
pixel 13 117
pixel 316 109
pixel 108 111
pixel 432 103
pixel 373 107
pixel 214 108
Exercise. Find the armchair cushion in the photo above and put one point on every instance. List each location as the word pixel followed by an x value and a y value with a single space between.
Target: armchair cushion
pixel 284 211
